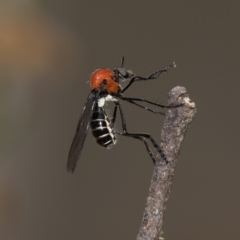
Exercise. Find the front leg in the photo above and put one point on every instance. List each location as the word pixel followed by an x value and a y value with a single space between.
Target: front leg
pixel 152 76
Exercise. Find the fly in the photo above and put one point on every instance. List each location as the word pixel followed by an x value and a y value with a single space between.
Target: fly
pixel 105 87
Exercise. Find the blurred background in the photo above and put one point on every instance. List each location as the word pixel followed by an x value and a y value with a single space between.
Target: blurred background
pixel 48 50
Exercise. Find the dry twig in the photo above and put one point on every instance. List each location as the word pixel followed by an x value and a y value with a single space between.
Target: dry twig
pixel 174 129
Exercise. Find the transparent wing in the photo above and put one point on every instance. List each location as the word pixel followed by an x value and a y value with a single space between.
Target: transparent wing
pixel 81 132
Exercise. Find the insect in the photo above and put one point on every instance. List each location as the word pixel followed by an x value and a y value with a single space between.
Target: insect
pixel 105 85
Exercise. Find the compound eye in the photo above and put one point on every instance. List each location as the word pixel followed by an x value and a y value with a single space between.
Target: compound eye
pixel 122 72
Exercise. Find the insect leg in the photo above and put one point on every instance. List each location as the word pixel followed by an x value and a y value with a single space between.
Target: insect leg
pixel 124 125
pixel 141 139
pixel 139 136
pixel 146 108
pixel 114 117
pixel 155 145
pixel 131 99
pixel 151 76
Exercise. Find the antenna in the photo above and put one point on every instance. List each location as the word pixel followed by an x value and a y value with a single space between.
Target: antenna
pixel 122 62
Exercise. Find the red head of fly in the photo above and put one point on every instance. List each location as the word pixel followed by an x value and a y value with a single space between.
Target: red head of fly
pixel 104 74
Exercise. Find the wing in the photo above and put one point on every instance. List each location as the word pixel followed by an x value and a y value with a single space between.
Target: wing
pixel 81 132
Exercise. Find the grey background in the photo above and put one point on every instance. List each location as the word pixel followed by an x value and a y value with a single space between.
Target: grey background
pixel 48 50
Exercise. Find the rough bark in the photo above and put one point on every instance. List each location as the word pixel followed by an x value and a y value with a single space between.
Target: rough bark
pixel 175 126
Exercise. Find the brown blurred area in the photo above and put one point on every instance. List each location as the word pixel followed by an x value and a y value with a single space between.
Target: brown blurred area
pixel 48 49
